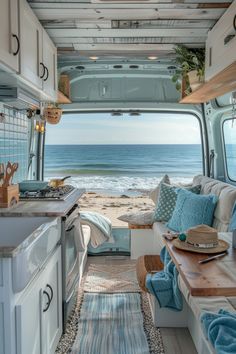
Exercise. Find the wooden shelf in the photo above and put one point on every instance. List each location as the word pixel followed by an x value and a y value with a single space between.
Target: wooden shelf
pixel 62 99
pixel 222 83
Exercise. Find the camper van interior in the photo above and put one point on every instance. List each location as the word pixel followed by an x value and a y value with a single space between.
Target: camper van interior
pixel 118 177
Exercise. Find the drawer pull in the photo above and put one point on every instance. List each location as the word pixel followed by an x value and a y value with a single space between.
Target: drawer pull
pixel 47 74
pixel 49 301
pixel 44 69
pixel 18 44
pixel 234 22
pixel 51 290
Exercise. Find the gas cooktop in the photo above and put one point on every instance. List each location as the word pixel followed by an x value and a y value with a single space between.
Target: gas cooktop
pixel 49 193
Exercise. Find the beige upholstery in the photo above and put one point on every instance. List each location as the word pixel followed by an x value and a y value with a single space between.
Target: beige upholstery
pixel 227 197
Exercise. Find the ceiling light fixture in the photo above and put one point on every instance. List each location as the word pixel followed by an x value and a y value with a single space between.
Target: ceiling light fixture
pixel 134 114
pixel 93 58
pixel 116 114
pixel 152 57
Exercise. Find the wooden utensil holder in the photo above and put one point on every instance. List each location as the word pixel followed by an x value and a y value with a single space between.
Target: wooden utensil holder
pixel 9 196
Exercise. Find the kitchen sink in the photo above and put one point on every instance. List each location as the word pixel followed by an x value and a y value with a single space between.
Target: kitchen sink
pixel 28 241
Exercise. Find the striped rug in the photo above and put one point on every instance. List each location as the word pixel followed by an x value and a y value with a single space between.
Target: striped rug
pixel 111 324
pixel 114 320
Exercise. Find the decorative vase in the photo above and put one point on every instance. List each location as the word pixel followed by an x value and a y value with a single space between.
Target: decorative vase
pixel 52 114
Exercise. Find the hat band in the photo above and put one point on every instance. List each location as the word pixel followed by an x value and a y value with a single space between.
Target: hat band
pixel 203 245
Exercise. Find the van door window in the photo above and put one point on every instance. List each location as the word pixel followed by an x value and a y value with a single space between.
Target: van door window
pixel 125 151
pixel 229 130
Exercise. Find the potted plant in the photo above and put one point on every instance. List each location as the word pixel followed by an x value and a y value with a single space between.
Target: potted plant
pixel 190 72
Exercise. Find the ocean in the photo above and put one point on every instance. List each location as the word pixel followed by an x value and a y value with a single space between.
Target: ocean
pixel 122 168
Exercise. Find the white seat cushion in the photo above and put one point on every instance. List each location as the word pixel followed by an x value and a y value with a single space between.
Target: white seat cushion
pixel 227 197
pixel 86 234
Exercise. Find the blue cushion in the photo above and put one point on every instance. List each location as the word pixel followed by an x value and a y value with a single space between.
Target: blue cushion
pixel 167 200
pixel 191 210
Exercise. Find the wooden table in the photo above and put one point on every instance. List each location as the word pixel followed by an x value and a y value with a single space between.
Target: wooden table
pixel 215 278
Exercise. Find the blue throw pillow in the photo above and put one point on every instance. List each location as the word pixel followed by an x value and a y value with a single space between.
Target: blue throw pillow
pixel 191 210
pixel 167 200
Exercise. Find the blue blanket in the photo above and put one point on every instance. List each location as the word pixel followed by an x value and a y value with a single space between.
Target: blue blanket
pixel 220 329
pixel 164 285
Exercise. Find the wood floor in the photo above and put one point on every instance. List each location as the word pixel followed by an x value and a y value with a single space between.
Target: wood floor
pixel 175 340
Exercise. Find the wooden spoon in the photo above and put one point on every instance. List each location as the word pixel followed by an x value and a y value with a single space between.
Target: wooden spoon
pixel 10 170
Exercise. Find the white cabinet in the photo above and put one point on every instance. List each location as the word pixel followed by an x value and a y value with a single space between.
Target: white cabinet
pixel 221 43
pixel 38 54
pixel 31 67
pixel 28 313
pixel 9 34
pixel 39 311
pixel 50 64
pixel 142 243
pixel 52 307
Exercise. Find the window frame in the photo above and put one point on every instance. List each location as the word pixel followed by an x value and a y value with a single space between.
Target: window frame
pixel 224 148
pixel 200 118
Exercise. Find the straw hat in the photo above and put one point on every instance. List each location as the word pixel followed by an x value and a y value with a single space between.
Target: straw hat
pixel 202 239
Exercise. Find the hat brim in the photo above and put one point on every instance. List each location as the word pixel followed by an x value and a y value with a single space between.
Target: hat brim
pixel 222 246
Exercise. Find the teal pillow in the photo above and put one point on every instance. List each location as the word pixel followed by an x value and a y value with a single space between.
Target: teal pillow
pixel 191 210
pixel 167 200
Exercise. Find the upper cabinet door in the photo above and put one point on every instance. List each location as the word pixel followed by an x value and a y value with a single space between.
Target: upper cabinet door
pixel 50 63
pixel 32 68
pixel 9 34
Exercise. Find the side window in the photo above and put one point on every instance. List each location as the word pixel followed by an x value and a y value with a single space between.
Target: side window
pixel 229 131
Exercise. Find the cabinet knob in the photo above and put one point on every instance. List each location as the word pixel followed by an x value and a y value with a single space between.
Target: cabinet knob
pixel 18 44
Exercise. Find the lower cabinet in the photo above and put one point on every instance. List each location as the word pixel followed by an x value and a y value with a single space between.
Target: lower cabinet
pixel 142 242
pixel 52 308
pixel 39 311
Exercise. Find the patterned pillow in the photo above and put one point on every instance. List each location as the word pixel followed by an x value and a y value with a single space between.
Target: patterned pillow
pixel 192 210
pixel 167 200
pixel 154 194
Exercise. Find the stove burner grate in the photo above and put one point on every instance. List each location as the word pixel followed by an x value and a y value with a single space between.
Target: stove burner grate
pixel 49 193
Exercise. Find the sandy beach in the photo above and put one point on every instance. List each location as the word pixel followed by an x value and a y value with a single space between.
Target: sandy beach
pixel 114 206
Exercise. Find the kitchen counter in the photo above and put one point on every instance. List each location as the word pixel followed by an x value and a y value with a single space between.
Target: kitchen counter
pixel 43 207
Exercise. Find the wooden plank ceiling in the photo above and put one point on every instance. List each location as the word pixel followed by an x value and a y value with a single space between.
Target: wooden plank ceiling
pixel 126 27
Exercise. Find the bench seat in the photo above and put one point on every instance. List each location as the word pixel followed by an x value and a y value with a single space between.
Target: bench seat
pixel 193 305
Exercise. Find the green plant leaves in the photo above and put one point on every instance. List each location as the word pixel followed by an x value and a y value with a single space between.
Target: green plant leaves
pixel 187 60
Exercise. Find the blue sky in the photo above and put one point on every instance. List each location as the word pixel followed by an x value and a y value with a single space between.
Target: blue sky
pixel 155 128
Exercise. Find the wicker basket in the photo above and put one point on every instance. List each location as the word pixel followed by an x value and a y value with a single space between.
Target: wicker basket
pixel 52 115
pixel 147 264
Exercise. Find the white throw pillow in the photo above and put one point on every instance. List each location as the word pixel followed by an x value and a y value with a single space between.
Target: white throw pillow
pixel 140 218
pixel 154 194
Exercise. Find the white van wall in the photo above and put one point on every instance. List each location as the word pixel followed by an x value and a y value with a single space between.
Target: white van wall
pixel 216 112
